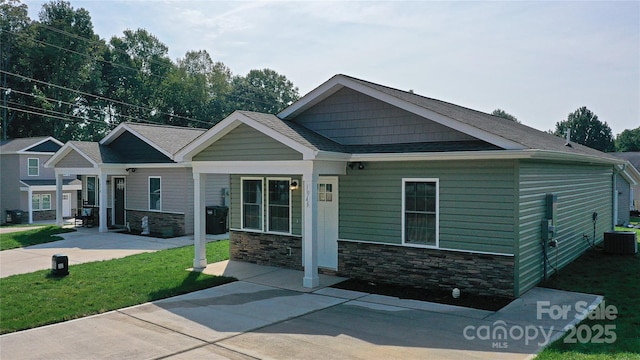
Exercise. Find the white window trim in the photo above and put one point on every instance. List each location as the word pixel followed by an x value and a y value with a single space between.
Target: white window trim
pixel 242 179
pixel 42 196
pixel 37 167
pixel 149 193
pixel 437 182
pixel 85 189
pixel 267 207
pixel 40 202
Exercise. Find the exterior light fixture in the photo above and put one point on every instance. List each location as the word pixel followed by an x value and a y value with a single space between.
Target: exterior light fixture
pixel 356 165
pixel 294 185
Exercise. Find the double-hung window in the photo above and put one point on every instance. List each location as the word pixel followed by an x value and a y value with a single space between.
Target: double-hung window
pixel 92 190
pixel 279 210
pixel 155 193
pixel 41 201
pixel 252 203
pixel 420 211
pixel 33 167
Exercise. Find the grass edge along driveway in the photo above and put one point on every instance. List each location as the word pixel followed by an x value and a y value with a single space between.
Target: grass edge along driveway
pixel 37 299
pixel 616 278
pixel 44 234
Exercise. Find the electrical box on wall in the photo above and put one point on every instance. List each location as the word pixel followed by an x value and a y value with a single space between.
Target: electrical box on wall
pixel 551 207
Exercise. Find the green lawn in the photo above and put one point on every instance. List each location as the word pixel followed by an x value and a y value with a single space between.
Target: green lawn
pixel 36 299
pixel 31 237
pixel 616 277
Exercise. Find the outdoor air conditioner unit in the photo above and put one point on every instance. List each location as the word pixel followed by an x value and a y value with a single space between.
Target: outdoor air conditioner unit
pixel 620 242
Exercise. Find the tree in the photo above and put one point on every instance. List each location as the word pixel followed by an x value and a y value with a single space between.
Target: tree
pixel 505 115
pixel 138 64
pixel 587 130
pixel 262 90
pixel 195 91
pixel 628 140
pixel 15 35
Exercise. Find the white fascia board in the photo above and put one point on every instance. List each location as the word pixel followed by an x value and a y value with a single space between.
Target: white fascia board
pixel 231 122
pixel 315 96
pixel 120 129
pixel 292 167
pixel 484 155
pixel 630 173
pixel 209 137
pixel 337 82
pixel 53 187
pixel 50 138
pixel 156 165
pixel 331 155
pixel 64 151
pixel 77 171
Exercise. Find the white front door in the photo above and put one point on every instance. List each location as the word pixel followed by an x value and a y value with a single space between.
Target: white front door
pixel 66 205
pixel 328 222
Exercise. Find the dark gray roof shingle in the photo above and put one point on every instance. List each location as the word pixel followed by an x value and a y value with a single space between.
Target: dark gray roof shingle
pixel 100 154
pixel 13 145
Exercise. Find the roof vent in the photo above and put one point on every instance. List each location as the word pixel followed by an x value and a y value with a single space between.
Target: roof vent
pixel 410 91
pixel 568 138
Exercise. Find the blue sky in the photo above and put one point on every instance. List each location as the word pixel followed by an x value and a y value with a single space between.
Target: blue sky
pixel 537 60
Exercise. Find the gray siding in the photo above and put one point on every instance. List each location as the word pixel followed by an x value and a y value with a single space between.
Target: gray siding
pixel 214 191
pixel 247 144
pixel 624 200
pixel 9 183
pixel 476 203
pixel 74 160
pixel 235 221
pixel 176 189
pixel 352 118
pixel 581 190
pixel 44 173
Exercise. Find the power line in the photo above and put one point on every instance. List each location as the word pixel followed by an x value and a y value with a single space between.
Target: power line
pixel 58 113
pixel 78 105
pixel 115 64
pixel 65 118
pixel 138 107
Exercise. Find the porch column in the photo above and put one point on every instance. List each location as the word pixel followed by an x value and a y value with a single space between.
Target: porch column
pixel 59 182
pixel 199 222
pixel 30 204
pixel 103 203
pixel 310 229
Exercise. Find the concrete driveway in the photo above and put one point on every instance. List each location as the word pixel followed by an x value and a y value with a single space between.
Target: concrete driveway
pixel 258 318
pixel 85 245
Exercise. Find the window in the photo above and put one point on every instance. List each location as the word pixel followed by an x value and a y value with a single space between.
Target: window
pixel 41 201
pixel 155 199
pixel 92 190
pixel 420 211
pixel 33 167
pixel 35 202
pixel 251 203
pixel 279 213
pixel 46 201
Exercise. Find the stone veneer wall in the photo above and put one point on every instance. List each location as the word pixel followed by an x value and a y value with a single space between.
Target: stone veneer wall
pixel 157 221
pixel 266 249
pixel 427 268
pixel 39 215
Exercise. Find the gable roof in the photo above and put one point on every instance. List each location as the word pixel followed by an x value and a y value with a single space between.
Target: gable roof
pixel 166 139
pixel 631 156
pixel 19 145
pixel 92 151
pixel 503 133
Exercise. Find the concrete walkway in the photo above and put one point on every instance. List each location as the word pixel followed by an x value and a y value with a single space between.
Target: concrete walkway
pixel 86 245
pixel 264 316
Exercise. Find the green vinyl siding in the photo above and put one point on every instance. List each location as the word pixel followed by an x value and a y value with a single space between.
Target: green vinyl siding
pixel 247 144
pixel 235 215
pixel 581 190
pixel 476 203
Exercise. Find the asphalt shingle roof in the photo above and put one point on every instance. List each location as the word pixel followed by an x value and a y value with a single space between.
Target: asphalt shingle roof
pixel 526 136
pixel 13 145
pixel 101 154
pixel 169 138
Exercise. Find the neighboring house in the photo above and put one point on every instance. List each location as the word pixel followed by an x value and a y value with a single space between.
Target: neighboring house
pixel 629 196
pixel 385 185
pixel 26 185
pixel 132 173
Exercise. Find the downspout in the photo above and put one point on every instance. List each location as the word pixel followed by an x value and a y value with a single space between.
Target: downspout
pixel 615 194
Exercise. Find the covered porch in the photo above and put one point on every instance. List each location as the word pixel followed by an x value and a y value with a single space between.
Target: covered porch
pixel 304 182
